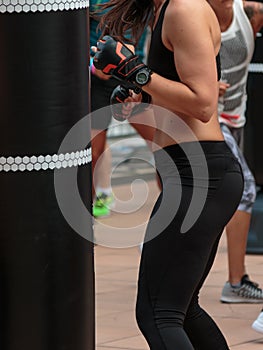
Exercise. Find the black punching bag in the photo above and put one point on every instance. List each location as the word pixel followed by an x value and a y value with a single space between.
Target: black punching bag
pixel 46 268
pixel 253 144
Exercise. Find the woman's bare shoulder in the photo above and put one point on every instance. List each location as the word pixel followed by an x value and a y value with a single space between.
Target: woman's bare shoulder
pixel 183 13
pixel 197 6
pixel 188 10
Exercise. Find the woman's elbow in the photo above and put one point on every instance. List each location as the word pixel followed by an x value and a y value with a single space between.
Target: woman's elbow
pixel 206 110
pixel 205 115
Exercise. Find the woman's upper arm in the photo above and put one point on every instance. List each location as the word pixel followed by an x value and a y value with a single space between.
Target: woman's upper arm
pixel 189 36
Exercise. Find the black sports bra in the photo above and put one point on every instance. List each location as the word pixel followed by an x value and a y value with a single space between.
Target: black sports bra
pixel 158 51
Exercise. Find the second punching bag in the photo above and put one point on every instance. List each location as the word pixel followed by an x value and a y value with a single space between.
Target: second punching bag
pixel 46 268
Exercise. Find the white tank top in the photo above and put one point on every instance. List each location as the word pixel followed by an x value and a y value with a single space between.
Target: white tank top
pixel 237 46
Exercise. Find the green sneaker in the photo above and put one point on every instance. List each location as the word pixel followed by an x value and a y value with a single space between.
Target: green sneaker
pixel 102 205
pixel 100 211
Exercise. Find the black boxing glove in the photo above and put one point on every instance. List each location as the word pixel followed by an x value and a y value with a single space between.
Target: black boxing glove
pixel 119 95
pixel 116 59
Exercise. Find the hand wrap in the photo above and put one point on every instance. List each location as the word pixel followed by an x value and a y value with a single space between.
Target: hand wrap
pixel 119 95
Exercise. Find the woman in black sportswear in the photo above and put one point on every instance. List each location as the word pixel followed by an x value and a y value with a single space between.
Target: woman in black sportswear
pixel 202 181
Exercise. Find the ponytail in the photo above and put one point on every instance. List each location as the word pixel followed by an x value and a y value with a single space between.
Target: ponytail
pixel 124 16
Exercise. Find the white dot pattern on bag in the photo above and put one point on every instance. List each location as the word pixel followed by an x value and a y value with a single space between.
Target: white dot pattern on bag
pixel 41 5
pixel 47 162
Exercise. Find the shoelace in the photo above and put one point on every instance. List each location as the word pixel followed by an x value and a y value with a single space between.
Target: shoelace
pixel 249 289
pixel 246 279
pixel 100 203
pixel 100 200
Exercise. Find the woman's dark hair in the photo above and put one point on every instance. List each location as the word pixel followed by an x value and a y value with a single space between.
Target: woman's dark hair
pixel 117 17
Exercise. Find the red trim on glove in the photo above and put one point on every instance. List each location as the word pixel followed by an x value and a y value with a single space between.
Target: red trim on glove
pixel 108 68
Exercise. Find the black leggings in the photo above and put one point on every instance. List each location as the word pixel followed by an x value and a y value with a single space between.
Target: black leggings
pixel 202 187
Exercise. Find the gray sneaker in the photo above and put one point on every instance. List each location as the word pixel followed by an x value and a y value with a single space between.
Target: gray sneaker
pixel 248 292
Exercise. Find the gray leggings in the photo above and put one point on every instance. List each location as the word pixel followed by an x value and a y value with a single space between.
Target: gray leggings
pixel 234 140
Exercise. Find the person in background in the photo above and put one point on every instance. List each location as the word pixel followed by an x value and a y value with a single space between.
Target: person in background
pixel 101 89
pixel 181 77
pixel 104 200
pixel 239 22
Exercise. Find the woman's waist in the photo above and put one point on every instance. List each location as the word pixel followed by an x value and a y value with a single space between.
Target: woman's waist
pixel 212 158
pixel 175 130
pixel 194 148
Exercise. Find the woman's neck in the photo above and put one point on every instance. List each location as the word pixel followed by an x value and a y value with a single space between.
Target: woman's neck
pixel 157 7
